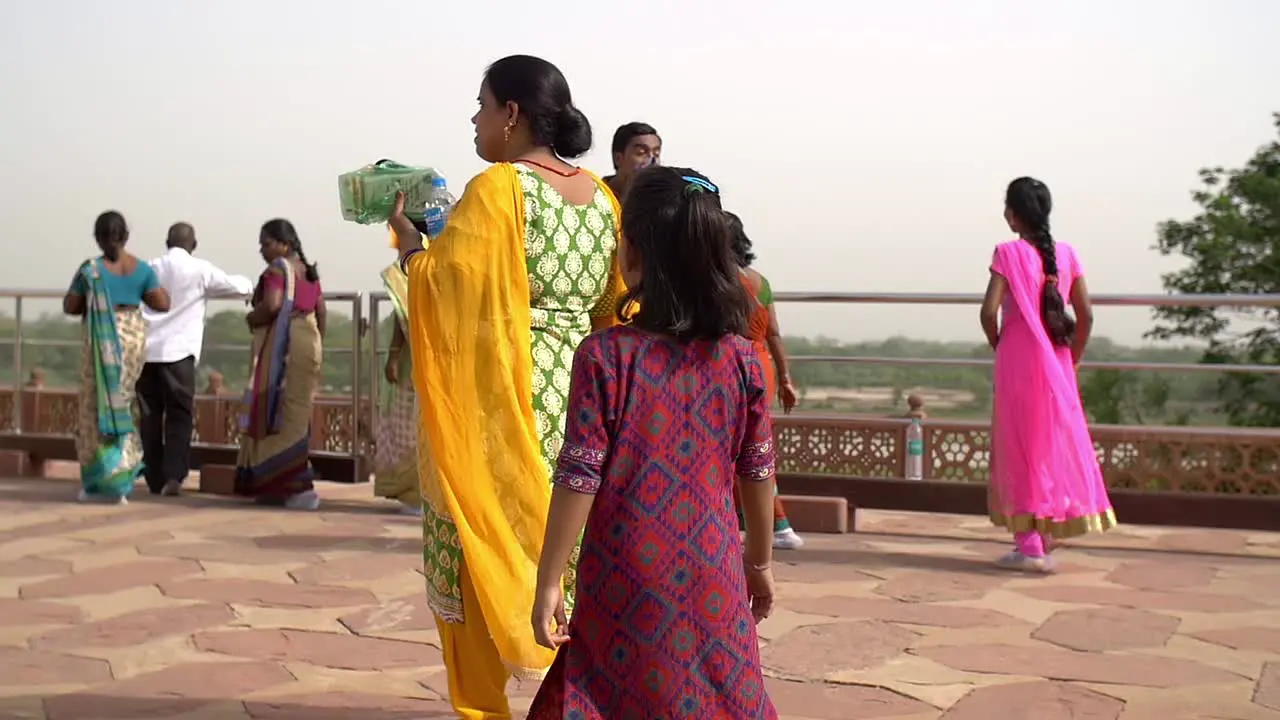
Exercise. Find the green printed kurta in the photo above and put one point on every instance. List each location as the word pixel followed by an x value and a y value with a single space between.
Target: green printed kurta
pixel 569 251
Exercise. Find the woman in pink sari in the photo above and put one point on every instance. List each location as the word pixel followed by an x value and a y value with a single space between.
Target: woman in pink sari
pixel 1045 478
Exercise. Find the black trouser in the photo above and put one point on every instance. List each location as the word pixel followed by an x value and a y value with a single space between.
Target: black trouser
pixel 166 394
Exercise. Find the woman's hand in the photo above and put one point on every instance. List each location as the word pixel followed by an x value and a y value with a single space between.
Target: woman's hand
pixel 787 395
pixel 760 590
pixel 550 626
pixel 392 368
pixel 397 210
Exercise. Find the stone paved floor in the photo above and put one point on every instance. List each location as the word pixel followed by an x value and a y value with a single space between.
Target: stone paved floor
pixel 200 608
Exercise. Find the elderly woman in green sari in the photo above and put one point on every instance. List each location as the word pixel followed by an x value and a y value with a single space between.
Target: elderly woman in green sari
pixel 395 472
pixel 107 293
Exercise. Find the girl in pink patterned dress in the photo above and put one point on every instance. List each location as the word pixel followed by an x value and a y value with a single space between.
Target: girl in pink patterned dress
pixel 666 415
pixel 1045 479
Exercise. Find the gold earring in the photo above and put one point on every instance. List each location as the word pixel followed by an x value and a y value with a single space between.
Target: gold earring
pixel 506 134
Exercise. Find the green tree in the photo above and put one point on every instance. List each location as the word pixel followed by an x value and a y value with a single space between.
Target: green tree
pixel 1233 246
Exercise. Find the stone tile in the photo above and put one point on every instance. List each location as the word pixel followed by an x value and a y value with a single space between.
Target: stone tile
pixel 36 612
pixel 21 547
pixel 394 682
pixel 360 540
pixel 235 571
pixel 900 612
pixel 1107 629
pixel 136 628
pixel 22 708
pixel 1205 541
pixel 34 567
pixel 1162 575
pixel 1247 664
pixel 164 652
pixel 1086 667
pixel 929 587
pixel 1202 702
pixel 165 693
pixel 317 619
pixel 1267 692
pixel 26 668
pixel 345 706
pixel 235 553
pixel 1259 639
pixel 813 652
pixel 357 569
pixel 269 594
pixel 333 650
pixel 819 701
pixel 801 572
pixel 408 613
pixel 924 680
pixel 1124 597
pixel 1035 701
pixel 92 558
pixel 111 579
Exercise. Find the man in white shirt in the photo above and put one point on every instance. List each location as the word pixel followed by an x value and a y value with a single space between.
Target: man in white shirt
pixel 167 386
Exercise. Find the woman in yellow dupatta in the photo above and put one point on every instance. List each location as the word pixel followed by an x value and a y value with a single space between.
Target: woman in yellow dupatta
pixel 498 303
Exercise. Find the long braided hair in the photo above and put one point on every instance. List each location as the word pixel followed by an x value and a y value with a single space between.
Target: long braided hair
pixel 1029 202
pixel 283 231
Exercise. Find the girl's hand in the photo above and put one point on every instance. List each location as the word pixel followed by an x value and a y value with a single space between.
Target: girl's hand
pixel 760 590
pixel 397 210
pixel 787 395
pixel 550 626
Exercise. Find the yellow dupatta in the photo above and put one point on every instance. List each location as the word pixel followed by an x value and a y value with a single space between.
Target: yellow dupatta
pixel 469 317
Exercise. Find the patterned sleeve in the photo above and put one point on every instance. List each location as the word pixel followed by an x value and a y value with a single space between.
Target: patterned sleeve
pixel 586 439
pixel 997 262
pixel 756 455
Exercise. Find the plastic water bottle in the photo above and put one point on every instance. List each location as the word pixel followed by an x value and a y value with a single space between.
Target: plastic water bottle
pixel 439 204
pixel 915 450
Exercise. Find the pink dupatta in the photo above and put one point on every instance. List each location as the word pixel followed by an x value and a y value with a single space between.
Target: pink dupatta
pixel 1044 471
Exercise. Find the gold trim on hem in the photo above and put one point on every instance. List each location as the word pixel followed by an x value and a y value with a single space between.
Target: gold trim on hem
pixel 1058 529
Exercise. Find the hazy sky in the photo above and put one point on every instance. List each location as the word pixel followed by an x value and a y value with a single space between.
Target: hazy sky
pixel 865 144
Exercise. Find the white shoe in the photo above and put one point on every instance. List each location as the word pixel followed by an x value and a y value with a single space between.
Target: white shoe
pixel 411 510
pixel 84 496
pixel 787 540
pixel 1015 560
pixel 121 500
pixel 306 500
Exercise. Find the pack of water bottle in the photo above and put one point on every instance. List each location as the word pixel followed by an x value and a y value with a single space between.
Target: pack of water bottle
pixel 367 195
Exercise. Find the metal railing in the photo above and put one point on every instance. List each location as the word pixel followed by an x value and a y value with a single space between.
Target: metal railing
pixel 366 342
pixel 1220 300
pixel 18 341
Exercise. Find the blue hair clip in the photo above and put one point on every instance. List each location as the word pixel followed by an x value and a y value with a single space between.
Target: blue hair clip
pixel 697 184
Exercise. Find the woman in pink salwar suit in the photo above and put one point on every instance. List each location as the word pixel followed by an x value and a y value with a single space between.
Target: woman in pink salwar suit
pixel 1045 478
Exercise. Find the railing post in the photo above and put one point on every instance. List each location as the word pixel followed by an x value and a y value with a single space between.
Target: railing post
pixel 375 375
pixel 17 364
pixel 357 343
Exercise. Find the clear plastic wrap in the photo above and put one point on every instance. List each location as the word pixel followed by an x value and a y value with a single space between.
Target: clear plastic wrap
pixel 368 195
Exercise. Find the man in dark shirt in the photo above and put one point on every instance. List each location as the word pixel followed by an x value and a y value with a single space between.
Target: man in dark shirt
pixel 636 145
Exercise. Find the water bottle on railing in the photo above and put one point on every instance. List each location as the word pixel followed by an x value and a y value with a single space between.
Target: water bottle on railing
pixel 439 204
pixel 915 450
